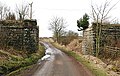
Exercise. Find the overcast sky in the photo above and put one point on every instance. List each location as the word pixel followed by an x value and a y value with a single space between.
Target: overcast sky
pixel 70 10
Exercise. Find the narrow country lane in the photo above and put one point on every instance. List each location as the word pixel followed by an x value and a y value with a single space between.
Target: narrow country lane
pixel 59 64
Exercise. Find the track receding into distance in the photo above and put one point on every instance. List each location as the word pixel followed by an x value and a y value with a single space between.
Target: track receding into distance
pixel 59 64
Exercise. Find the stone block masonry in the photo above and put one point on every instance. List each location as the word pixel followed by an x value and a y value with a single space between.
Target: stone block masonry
pixel 20 35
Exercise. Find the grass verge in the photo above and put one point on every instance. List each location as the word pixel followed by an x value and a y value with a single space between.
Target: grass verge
pixel 96 71
pixel 13 66
pixel 18 71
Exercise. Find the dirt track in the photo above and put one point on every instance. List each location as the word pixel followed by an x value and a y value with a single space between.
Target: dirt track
pixel 59 64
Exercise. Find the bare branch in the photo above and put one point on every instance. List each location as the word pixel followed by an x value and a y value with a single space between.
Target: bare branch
pixel 3 11
pixel 94 13
pixel 111 8
pixel 101 13
pixel 22 11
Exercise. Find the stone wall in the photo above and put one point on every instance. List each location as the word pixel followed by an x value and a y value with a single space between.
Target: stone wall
pixel 20 35
pixel 110 37
pixel 110 41
pixel 88 42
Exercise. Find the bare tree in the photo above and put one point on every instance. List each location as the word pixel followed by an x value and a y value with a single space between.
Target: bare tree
pixel 10 16
pixel 57 26
pixel 100 14
pixel 22 11
pixel 4 10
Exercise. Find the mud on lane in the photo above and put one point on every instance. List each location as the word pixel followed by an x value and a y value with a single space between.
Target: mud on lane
pixel 56 63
